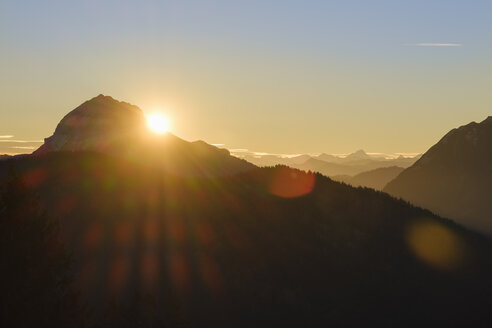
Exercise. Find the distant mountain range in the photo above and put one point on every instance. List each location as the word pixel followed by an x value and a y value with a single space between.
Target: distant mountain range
pixel 184 234
pixel 341 168
pixel 454 178
pixel 358 161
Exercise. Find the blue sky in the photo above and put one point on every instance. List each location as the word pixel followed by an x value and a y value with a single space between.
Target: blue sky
pixel 273 76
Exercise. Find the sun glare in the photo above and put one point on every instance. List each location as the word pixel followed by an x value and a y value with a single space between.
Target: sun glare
pixel 158 123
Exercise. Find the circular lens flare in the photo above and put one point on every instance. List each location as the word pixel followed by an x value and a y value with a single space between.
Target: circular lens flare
pixel 158 123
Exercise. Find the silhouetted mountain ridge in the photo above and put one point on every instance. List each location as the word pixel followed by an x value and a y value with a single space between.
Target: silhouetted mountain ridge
pixel 234 251
pixel 454 176
pixel 107 125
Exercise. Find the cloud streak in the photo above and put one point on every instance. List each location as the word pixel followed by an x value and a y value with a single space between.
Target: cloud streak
pixel 24 147
pixel 431 44
pixel 6 137
pixel 21 141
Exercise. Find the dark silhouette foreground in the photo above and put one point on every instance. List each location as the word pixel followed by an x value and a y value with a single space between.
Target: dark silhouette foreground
pixel 152 249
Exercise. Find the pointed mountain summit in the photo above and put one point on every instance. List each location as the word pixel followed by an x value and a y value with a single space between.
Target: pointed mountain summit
pixel 454 177
pixel 103 124
pixel 358 155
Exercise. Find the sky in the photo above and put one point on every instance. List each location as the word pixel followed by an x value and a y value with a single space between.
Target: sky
pixel 269 76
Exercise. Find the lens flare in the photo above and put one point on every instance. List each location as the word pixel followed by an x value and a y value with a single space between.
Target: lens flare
pixel 289 183
pixel 436 244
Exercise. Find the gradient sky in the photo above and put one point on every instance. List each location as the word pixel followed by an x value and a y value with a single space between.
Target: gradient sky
pixel 271 76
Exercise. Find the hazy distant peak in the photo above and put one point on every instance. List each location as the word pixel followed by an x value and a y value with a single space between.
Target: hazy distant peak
pixel 359 154
pixel 327 157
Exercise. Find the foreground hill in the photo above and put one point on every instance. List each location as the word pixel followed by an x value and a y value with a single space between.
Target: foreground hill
pixel 454 177
pixel 376 179
pixel 266 247
pixel 164 232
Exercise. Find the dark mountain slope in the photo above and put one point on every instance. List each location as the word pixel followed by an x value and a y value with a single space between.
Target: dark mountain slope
pixel 454 178
pixel 376 179
pixel 229 251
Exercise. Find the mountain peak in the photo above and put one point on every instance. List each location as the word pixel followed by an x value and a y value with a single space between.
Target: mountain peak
pixel 102 99
pixel 96 123
pixel 359 154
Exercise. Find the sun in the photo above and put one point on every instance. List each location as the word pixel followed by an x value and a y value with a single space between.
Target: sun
pixel 158 123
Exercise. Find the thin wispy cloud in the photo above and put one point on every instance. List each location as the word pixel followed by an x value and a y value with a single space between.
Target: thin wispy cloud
pixel 408 154
pixel 435 44
pixel 6 137
pixel 24 147
pixel 20 141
